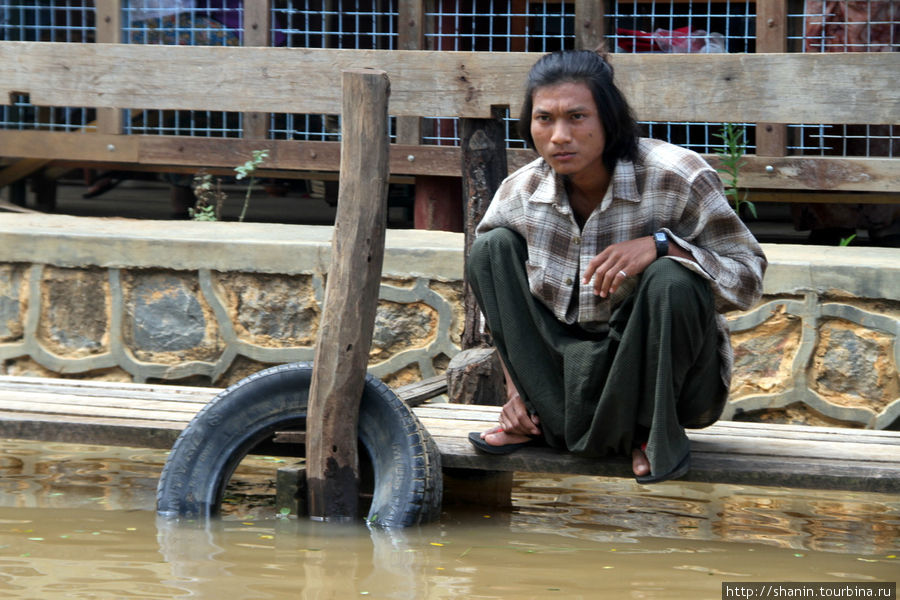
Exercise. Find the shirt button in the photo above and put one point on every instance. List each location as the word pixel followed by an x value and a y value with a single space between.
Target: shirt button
pixel 568 281
pixel 576 241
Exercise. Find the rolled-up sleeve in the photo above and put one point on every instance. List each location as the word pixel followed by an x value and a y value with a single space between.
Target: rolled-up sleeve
pixel 725 251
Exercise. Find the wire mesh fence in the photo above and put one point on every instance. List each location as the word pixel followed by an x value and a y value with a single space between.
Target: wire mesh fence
pixel 858 26
pixel 462 25
pixel 45 21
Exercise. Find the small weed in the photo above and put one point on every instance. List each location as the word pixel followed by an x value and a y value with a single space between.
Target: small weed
pixel 209 198
pixel 248 169
pixel 732 159
pixel 847 240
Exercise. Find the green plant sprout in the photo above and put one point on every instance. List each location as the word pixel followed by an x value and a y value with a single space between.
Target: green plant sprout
pixel 248 169
pixel 847 240
pixel 732 159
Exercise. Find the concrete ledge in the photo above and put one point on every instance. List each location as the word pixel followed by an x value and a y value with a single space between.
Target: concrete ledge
pixel 67 241
pixel 208 303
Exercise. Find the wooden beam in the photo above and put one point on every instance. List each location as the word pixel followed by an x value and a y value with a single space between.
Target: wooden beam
pixel 778 88
pixel 589 24
pixel 109 31
pixel 351 299
pixel 257 32
pixel 771 36
pixel 410 36
pixel 187 154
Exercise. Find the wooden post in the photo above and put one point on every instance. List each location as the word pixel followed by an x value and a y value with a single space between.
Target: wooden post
pixel 483 168
pixel 257 32
pixel 771 36
pixel 109 30
pixel 410 36
pixel 351 299
pixel 589 25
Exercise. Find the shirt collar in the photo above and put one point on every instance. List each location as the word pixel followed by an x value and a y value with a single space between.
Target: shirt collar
pixel 550 190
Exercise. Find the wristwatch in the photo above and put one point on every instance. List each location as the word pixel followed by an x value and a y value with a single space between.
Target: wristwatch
pixel 662 243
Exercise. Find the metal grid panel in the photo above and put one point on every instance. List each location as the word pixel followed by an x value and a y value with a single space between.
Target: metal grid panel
pixel 356 24
pixel 668 26
pixel 352 24
pixel 494 26
pixel 180 22
pixel 500 25
pixel 45 21
pixel 859 26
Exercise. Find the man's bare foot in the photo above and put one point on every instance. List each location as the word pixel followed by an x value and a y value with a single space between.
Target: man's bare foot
pixel 639 463
pixel 495 436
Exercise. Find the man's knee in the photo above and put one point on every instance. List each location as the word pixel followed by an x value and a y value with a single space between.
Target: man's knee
pixel 668 282
pixel 500 242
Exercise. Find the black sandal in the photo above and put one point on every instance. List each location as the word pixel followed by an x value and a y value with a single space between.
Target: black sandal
pixel 480 444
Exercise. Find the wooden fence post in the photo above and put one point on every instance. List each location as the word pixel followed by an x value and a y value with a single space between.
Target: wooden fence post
pixel 484 166
pixel 351 299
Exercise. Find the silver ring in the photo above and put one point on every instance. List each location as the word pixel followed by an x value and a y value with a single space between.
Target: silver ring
pixel 623 274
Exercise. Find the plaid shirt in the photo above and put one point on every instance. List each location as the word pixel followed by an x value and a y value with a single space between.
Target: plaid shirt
pixel 668 188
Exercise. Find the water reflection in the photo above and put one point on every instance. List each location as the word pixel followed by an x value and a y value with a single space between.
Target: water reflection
pixel 615 509
pixel 567 537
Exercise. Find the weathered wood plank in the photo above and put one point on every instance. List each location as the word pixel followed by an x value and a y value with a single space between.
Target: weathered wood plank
pixel 183 416
pixel 776 88
pixel 118 389
pixel 90 430
pixel 286 158
pixel 727 452
pixel 416 393
pixel 182 405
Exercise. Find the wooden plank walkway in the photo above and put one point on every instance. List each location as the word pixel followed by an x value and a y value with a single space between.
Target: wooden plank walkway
pixel 152 416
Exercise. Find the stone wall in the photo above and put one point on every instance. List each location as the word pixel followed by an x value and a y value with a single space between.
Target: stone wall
pixel 209 303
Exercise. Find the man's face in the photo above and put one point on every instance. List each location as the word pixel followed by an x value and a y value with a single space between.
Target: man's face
pixel 566 128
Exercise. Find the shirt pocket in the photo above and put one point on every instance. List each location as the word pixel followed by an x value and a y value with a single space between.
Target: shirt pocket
pixel 545 289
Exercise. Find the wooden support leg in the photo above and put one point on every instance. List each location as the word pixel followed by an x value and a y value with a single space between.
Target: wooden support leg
pixel 488 489
pixel 44 192
pixel 351 299
pixel 291 491
pixel 483 169
pixel 438 203
pixel 18 193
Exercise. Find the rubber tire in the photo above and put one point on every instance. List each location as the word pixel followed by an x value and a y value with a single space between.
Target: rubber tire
pixel 406 463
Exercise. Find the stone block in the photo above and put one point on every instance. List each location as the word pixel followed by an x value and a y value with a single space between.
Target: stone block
pixel 764 355
pixel 271 310
pixel 409 374
pixel 75 311
pixel 167 320
pixel 854 366
pixel 13 301
pixel 401 326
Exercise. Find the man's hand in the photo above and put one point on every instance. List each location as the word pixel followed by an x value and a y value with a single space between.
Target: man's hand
pixel 515 420
pixel 618 262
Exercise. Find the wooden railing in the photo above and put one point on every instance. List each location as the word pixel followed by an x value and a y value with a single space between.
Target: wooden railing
pixel 771 89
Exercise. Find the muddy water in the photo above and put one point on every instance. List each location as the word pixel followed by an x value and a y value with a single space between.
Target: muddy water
pixel 78 522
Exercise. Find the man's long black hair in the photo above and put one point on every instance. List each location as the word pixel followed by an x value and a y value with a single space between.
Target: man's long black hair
pixel 591 68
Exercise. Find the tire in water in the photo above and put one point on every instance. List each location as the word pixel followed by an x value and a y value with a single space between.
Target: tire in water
pixel 404 458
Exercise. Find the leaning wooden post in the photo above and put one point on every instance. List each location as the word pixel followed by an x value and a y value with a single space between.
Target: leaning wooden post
pixel 483 146
pixel 351 299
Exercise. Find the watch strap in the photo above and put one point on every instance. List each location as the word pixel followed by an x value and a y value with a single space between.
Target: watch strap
pixel 662 243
